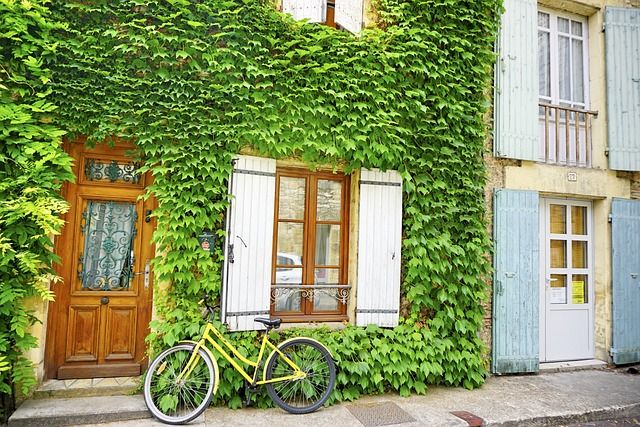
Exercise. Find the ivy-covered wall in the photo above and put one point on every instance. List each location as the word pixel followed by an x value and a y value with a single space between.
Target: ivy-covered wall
pixel 32 169
pixel 195 82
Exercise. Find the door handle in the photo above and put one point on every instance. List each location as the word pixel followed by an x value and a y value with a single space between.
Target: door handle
pixel 147 274
pixel 104 300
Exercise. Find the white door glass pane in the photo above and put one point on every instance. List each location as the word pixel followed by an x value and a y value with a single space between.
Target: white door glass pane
pixel 579 287
pixel 558 218
pixel 579 220
pixel 564 68
pixel 544 64
pixel 558 289
pixel 558 253
pixel 579 254
pixel 578 71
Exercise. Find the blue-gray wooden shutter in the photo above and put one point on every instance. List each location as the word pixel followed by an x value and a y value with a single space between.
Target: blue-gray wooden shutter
pixel 248 246
pixel 622 54
pixel 516 284
pixel 516 82
pixel 625 240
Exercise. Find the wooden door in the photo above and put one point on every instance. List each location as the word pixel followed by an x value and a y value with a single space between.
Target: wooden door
pixel 100 317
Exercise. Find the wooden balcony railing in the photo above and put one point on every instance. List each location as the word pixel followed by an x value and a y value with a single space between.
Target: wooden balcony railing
pixel 565 135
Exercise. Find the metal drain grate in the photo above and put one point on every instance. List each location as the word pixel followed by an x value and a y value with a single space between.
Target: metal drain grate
pixel 379 414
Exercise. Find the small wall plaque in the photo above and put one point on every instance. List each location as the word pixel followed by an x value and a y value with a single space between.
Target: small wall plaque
pixel 207 241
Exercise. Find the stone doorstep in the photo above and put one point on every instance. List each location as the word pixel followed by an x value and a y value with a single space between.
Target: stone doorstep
pixel 79 410
pixel 87 387
pixel 576 365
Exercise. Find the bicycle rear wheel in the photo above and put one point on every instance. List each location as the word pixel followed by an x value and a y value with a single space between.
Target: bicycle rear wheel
pixel 178 401
pixel 301 396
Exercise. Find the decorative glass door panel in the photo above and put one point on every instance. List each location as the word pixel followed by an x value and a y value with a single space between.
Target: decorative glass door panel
pixel 100 317
pixel 566 314
pixel 109 232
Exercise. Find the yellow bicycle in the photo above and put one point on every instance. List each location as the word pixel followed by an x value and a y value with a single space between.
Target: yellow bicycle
pixel 299 374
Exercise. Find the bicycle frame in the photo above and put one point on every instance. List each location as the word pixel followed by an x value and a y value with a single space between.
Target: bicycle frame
pixel 253 380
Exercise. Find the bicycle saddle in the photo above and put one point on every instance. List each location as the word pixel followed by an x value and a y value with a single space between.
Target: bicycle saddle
pixel 271 323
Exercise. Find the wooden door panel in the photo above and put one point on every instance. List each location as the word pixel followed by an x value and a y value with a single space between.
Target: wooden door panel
pixel 82 337
pixel 99 319
pixel 120 343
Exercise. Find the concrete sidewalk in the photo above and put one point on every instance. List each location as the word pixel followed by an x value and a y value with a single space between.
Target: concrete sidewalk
pixel 531 400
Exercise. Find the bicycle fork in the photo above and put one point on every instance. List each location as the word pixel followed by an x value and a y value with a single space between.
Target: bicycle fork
pixel 191 364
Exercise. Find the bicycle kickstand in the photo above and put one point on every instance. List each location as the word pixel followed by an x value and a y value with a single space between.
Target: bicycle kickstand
pixel 248 391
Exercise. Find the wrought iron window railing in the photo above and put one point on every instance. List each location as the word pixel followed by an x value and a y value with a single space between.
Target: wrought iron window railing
pixel 565 135
pixel 280 293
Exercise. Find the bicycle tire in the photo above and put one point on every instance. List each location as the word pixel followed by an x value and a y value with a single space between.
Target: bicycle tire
pixel 190 396
pixel 305 395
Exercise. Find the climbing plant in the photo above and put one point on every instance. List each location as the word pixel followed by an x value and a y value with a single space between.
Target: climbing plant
pixel 32 168
pixel 193 83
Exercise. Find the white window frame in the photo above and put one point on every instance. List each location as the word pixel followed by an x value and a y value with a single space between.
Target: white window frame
pixel 554 57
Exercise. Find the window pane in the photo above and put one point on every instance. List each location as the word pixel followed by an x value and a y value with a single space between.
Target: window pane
pixel 289 276
pixel 578 71
pixel 329 198
pixel 325 300
pixel 579 220
pixel 558 253
pixel 564 68
pixel 544 64
pixel 111 171
pixel 109 232
pixel 543 19
pixel 579 294
pixel 290 237
pixel 327 244
pixel 292 195
pixel 558 289
pixel 563 25
pixel 287 300
pixel 576 28
pixel 558 215
pixel 579 254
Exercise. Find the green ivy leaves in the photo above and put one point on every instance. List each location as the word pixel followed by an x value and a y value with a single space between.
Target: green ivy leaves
pixel 32 170
pixel 195 82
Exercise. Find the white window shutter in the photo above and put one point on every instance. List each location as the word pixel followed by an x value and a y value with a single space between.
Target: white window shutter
pixel 349 15
pixel 313 10
pixel 379 244
pixel 248 246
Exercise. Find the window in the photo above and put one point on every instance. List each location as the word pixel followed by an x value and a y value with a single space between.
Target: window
pixel 345 14
pixel 310 245
pixel 564 123
pixel 562 60
pixel 287 241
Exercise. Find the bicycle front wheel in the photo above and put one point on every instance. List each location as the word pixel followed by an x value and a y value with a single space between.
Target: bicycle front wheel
pixel 176 399
pixel 301 396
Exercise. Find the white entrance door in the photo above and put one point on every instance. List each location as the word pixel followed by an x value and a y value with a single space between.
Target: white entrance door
pixel 566 297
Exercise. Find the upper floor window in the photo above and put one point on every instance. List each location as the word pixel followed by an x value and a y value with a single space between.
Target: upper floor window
pixel 562 60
